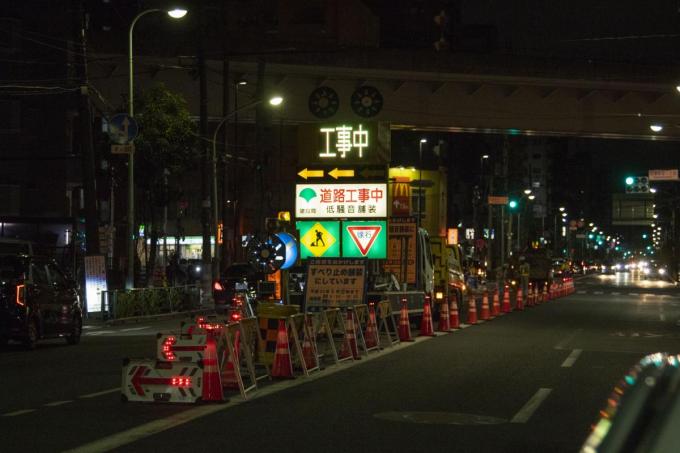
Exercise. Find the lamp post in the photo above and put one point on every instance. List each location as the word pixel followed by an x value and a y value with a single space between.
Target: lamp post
pixel 519 213
pixel 176 13
pixel 274 101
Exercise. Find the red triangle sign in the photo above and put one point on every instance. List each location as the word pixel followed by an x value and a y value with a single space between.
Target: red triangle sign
pixel 364 236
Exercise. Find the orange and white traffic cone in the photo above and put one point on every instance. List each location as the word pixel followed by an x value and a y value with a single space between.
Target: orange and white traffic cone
pixel 454 319
pixel 404 323
pixel 212 383
pixel 444 321
pixel 520 300
pixel 426 327
pixel 496 305
pixel 350 344
pixel 283 366
pixel 472 310
pixel 530 296
pixel 371 334
pixel 486 313
pixel 505 308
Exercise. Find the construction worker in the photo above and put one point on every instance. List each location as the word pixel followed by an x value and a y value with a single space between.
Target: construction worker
pixel 524 275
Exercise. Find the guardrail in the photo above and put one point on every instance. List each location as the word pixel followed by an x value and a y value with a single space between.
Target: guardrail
pixel 150 301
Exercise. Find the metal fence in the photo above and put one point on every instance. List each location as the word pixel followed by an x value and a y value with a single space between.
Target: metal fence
pixel 149 301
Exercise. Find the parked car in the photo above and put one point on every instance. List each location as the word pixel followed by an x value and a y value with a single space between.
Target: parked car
pixel 37 301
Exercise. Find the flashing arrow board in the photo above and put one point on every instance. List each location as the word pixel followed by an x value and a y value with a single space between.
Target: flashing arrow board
pixel 319 239
pixel 340 200
pixel 364 239
pixel 334 173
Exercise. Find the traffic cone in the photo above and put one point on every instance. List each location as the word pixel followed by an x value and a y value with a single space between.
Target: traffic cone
pixel 486 314
pixel 496 305
pixel 472 310
pixel 530 296
pixel 283 366
pixel 444 321
pixel 404 323
pixel 426 327
pixel 350 344
pixel 454 319
pixel 520 300
pixel 228 374
pixel 505 308
pixel 371 334
pixel 309 354
pixel 212 384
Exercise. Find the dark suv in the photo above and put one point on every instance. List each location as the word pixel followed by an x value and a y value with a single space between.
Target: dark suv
pixel 37 301
pixel 239 278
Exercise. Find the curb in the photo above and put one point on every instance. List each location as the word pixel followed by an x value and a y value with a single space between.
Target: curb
pixel 138 319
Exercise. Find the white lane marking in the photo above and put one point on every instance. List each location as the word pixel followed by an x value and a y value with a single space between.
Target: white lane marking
pixel 581 292
pixel 103 392
pixel 599 292
pixel 21 412
pixel 142 431
pixel 130 329
pixel 616 294
pixel 58 403
pixel 99 332
pixel 633 294
pixel 569 361
pixel 562 344
pixel 531 406
pixel 662 317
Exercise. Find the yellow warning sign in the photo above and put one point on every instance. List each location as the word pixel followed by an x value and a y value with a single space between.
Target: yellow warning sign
pixel 319 239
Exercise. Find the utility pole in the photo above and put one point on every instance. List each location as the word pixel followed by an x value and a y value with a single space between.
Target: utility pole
pixel 223 256
pixel 86 142
pixel 205 171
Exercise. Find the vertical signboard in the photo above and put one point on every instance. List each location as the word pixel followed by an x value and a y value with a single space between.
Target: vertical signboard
pixel 335 282
pixel 367 239
pixel 95 282
pixel 401 249
pixel 401 197
pixel 319 238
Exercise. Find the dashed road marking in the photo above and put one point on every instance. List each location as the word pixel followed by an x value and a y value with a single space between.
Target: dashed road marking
pixel 21 412
pixel 58 403
pixel 598 292
pixel 531 406
pixel 130 329
pixel 562 344
pixel 616 294
pixel 581 292
pixel 103 392
pixel 569 361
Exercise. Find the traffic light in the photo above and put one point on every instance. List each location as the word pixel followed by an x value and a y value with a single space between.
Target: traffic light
pixel 637 184
pixel 512 204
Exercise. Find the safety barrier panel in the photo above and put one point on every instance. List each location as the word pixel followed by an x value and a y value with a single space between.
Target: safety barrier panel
pixel 152 380
pixel 385 314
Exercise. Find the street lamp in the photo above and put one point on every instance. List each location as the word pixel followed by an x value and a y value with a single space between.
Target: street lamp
pixel 274 101
pixel 176 13
pixel 420 180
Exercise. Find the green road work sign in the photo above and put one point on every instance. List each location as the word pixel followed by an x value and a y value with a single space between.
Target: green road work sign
pixel 319 239
pixel 364 239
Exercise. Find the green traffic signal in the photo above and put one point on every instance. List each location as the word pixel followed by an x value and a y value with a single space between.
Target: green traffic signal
pixel 630 180
pixel 512 204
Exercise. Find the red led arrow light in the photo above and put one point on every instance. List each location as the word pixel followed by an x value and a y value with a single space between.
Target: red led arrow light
pixel 138 380
pixel 364 245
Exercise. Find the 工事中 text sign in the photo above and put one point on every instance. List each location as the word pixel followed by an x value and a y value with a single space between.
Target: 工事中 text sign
pixel 344 143
pixel 335 282
pixel 340 200
pixel 401 249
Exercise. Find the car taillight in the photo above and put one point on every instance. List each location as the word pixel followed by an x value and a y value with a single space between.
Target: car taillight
pixel 217 286
pixel 235 316
pixel 21 295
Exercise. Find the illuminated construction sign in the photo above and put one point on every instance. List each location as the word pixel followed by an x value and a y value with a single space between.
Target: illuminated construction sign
pixel 319 239
pixel 364 239
pixel 344 143
pixel 340 200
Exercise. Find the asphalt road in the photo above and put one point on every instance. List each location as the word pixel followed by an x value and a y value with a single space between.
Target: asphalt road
pixel 529 381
